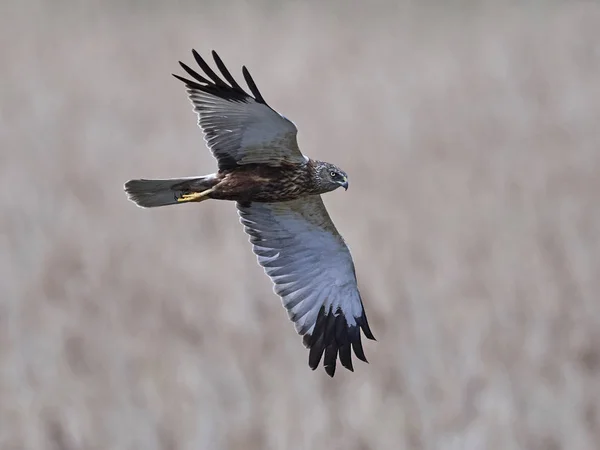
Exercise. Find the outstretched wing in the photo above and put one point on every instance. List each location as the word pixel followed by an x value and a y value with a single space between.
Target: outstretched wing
pixel 311 267
pixel 239 128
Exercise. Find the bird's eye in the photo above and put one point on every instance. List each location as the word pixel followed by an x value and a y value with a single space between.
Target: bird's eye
pixel 333 174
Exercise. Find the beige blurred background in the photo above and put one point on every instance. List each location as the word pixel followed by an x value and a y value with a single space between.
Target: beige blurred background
pixel 471 133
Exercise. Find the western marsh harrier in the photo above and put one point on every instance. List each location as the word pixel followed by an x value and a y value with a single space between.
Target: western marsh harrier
pixel 277 191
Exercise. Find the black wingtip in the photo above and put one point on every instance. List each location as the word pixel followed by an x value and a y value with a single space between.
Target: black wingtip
pixel 216 86
pixel 252 86
pixel 333 338
pixel 364 324
pixel 330 370
pixel 358 349
pixel 208 71
pixel 329 361
pixel 180 78
pixel 316 352
pixel 346 357
pixel 221 66
pixel 193 73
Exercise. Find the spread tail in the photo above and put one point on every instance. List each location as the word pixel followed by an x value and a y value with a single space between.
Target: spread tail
pixel 153 193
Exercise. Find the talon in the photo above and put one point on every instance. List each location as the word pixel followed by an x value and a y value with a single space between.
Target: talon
pixel 194 196
pixel 188 197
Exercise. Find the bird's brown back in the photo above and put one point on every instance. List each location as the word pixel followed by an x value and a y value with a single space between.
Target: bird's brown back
pixel 265 183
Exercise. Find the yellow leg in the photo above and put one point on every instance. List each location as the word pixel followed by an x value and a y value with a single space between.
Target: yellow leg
pixel 195 196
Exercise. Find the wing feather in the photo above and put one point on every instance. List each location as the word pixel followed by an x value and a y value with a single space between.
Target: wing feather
pixel 221 66
pixel 252 85
pixel 239 128
pixel 313 273
pixel 207 70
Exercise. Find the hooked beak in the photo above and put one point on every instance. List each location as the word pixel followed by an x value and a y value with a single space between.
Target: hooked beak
pixel 345 184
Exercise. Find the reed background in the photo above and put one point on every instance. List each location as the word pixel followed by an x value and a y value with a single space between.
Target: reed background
pixel 472 138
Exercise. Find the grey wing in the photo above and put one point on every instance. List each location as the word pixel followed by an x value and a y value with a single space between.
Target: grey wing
pixel 313 273
pixel 239 128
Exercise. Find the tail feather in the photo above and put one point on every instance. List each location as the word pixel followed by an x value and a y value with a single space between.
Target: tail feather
pixel 153 193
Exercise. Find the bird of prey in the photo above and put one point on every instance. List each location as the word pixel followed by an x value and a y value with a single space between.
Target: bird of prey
pixel 277 191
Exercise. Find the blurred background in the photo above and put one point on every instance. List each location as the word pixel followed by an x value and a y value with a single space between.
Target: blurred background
pixel 472 138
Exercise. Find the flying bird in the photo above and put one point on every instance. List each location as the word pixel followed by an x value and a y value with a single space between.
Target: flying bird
pixel 277 191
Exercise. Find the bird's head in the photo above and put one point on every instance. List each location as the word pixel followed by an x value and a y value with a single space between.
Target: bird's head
pixel 329 177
